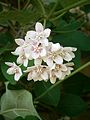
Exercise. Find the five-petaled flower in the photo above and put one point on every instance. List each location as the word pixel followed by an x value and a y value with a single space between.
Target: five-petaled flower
pixel 39 35
pixel 14 69
pixel 38 73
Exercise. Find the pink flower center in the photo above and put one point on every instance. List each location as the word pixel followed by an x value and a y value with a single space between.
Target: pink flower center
pixel 37 48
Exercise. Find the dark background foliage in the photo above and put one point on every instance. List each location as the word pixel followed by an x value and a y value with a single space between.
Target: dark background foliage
pixel 71 97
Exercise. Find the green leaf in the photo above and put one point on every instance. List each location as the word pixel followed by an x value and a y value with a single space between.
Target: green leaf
pixel 30 117
pixel 19 118
pixel 49 1
pixel 16 103
pixel 6 42
pixel 77 84
pixel 1 117
pixel 76 39
pixel 66 3
pixel 64 27
pixel 22 16
pixel 77 59
pixel 52 98
pixel 71 105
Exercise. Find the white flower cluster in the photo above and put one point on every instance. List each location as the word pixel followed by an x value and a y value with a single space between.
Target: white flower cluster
pixel 49 58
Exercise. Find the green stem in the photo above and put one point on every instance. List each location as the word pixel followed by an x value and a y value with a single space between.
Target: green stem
pixel 6 5
pixel 42 7
pixel 53 19
pixel 52 10
pixel 69 7
pixel 26 5
pixel 12 27
pixel 44 24
pixel 18 4
pixel 57 83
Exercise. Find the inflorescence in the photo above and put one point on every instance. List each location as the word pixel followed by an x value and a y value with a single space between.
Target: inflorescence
pixel 51 61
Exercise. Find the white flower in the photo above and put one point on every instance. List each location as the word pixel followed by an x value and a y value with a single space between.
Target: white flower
pixel 60 71
pixel 37 50
pixel 56 72
pixel 37 73
pixel 37 61
pixel 14 69
pixel 40 34
pixel 53 55
pixel 67 53
pixel 23 59
pixel 24 46
pixel 69 69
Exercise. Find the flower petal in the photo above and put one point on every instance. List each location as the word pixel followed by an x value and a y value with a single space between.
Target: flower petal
pixel 9 64
pixel 63 67
pixel 37 61
pixel 49 62
pixel 72 54
pixel 30 35
pixel 29 76
pixel 19 41
pixel 39 27
pixel 53 79
pixel 43 53
pixel 47 32
pixel 11 71
pixel 27 51
pixel 68 57
pixel 25 62
pixel 58 74
pixel 44 76
pixel 18 75
pixel 45 42
pixel 58 59
pixel 18 51
pixel 55 47
pixel 35 55
pixel 19 60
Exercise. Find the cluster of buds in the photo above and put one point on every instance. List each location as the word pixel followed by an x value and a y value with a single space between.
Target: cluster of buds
pixel 51 61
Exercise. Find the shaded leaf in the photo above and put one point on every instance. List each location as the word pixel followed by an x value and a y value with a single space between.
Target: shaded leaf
pixel 76 39
pixel 6 42
pixel 71 105
pixel 30 117
pixel 52 98
pixel 22 16
pixel 64 27
pixel 17 103
pixel 77 84
pixel 66 3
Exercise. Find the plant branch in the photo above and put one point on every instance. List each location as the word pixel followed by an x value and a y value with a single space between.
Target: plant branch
pixel 53 19
pixel 19 4
pixel 44 24
pixel 42 7
pixel 6 5
pixel 69 7
pixel 57 83
pixel 52 10
pixel 26 5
